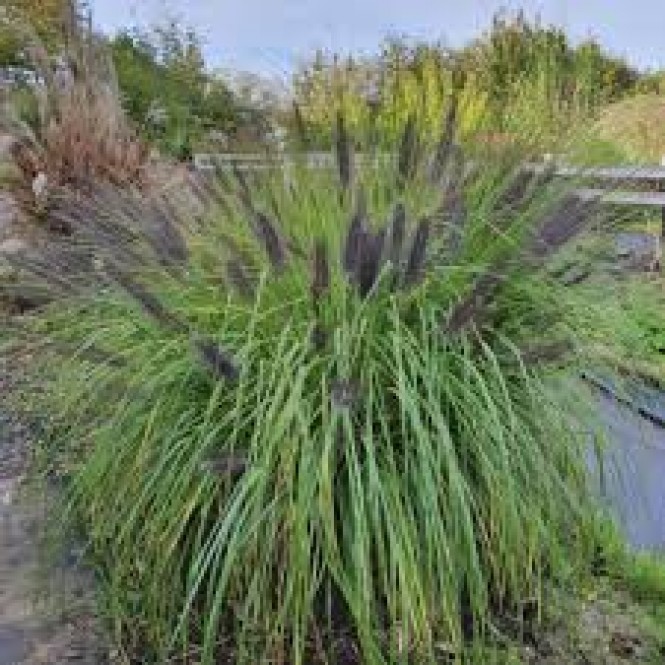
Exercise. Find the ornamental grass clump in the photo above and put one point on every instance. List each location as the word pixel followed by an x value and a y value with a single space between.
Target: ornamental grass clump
pixel 311 424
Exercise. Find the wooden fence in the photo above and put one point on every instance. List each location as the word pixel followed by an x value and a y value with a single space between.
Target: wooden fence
pixel 636 186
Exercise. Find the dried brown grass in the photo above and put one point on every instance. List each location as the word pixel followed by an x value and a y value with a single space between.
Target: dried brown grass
pixel 82 133
pixel 89 140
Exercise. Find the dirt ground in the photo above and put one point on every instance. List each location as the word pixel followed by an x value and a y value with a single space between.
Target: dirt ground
pixel 47 614
pixel 606 628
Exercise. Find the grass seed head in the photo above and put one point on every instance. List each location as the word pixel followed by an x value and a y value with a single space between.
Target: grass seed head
pixel 343 152
pixel 217 361
pixel 320 279
pixel 415 267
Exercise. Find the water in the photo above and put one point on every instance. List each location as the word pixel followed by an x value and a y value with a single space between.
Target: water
pixel 632 482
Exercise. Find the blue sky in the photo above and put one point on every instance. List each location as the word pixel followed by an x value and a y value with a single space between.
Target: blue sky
pixel 271 35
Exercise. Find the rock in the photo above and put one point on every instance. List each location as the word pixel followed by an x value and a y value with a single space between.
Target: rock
pixel 7 142
pixel 6 492
pixel 639 251
pixel 40 189
pixel 9 212
pixel 624 645
pixel 12 246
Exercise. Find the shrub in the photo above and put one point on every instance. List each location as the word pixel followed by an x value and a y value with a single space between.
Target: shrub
pixel 294 429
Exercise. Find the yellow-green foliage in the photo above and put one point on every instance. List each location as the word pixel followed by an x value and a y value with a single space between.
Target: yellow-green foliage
pixel 406 88
pixel 46 18
pixel 637 126
pixel 520 79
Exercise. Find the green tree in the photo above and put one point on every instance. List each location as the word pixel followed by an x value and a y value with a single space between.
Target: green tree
pixel 138 73
pixel 167 89
pixel 47 18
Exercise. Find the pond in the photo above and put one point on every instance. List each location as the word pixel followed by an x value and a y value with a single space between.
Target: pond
pixel 632 482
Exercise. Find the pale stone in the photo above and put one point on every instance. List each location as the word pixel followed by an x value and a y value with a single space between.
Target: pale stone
pixel 640 250
pixel 40 188
pixel 12 246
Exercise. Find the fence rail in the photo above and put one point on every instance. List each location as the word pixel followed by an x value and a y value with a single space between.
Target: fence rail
pixel 637 173
pixel 610 177
pixel 254 161
pixel 259 162
pixel 648 177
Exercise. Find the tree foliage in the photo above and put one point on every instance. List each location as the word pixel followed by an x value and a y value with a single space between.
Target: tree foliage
pixel 167 89
pixel 48 19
